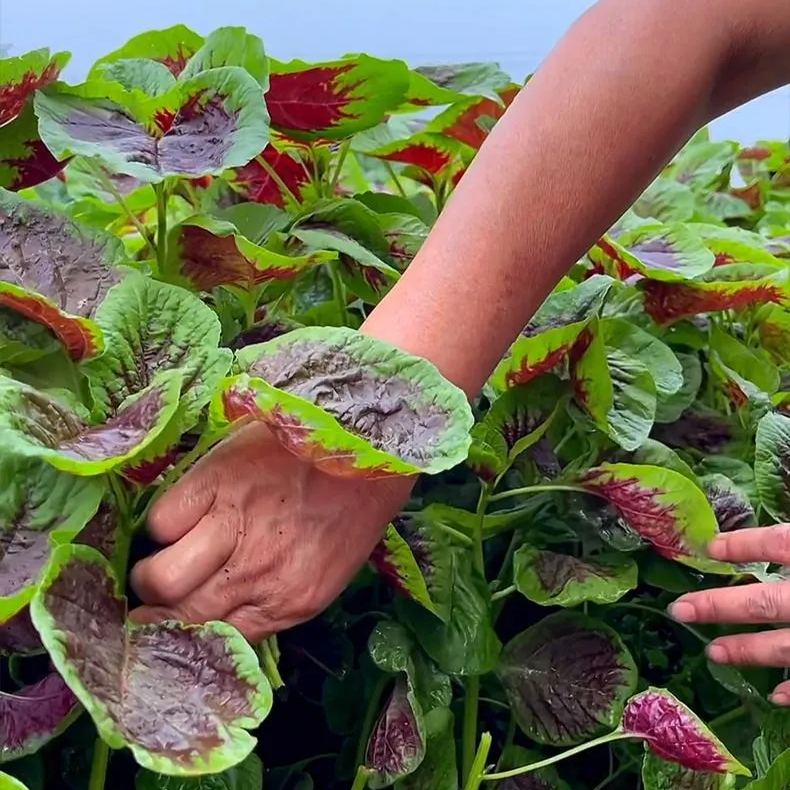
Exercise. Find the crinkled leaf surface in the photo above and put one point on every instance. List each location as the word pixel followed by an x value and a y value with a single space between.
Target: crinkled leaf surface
pixel 55 272
pixel 772 464
pixel 36 425
pixel 549 336
pixel 553 579
pixel 203 125
pixel 332 100
pixel 663 507
pixel 180 696
pixel 22 76
pixel 39 507
pixel 205 253
pixel 658 774
pixel 567 678
pixel 438 770
pixel 675 733
pixel 730 504
pixel 247 775
pixel 351 403
pixel 34 715
pixel 415 558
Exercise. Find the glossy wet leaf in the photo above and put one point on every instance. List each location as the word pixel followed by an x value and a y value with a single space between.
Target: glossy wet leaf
pixel 36 425
pixel 352 404
pixel 205 253
pixel 180 696
pixel 22 76
pixel 334 99
pixel 567 678
pixel 663 507
pixel 673 732
pixel 772 464
pixel 40 507
pixel 552 579
pixel 415 557
pixel 550 335
pixel 247 775
pixel 33 715
pixel 201 126
pixel 659 774
pixel 55 272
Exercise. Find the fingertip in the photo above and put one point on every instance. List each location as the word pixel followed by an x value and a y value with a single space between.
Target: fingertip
pixel 682 611
pixel 781 695
pixel 717 653
pixel 717 548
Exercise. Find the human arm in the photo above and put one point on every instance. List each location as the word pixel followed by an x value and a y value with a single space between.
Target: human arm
pixel 264 540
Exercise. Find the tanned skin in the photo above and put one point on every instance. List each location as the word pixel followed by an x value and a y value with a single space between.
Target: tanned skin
pixel 256 537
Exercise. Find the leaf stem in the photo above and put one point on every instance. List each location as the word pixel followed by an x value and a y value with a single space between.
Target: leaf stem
pixel 659 613
pixel 621 769
pixel 341 160
pixel 479 763
pixel 275 176
pixel 726 718
pixel 361 779
pixel 338 290
pixel 469 735
pixel 161 226
pixel 500 594
pixel 395 180
pixel 537 489
pixel 617 735
pixel 454 533
pixel 269 653
pixel 101 758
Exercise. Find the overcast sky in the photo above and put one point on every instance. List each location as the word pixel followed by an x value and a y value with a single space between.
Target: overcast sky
pixel 515 33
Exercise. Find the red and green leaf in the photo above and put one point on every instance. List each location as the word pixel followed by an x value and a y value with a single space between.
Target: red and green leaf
pixel 333 100
pixel 675 733
pixel 430 152
pixel 22 76
pixel 290 181
pixel 23 341
pixel 567 678
pixel 181 697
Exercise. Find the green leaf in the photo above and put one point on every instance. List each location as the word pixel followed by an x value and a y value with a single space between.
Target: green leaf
pixel 55 272
pixel 552 579
pixel 202 126
pixel 704 164
pixel 669 408
pixel 40 507
pixel 730 504
pixel 550 335
pixel 181 697
pixel 451 82
pixel 658 774
pixel 333 100
pixel 8 782
pixel 36 425
pixel 231 46
pixel 653 453
pixel 361 408
pixel 567 678
pixel 23 341
pixel 754 366
pixel 772 464
pixel 247 775
pixel 777 777
pixel 663 507
pixel 773 739
pixel 666 201
pixel 146 77
pixel 204 253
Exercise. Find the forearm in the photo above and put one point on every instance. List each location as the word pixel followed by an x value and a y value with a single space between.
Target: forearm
pixel 615 100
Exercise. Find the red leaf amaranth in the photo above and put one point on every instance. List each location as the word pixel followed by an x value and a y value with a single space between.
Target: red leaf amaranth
pixel 577 351
pixel 259 187
pixel 38 166
pixel 429 158
pixel 13 96
pixel 672 733
pixel 640 507
pixel 623 269
pixel 466 129
pixel 528 371
pixel 309 100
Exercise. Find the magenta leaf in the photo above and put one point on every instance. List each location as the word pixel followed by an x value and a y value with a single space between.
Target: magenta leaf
pixel 567 678
pixel 676 734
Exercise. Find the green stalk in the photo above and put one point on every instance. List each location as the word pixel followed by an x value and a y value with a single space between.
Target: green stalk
pixel 395 180
pixel 272 173
pixel 161 226
pixel 341 160
pixel 500 594
pixel 726 718
pixel 101 758
pixel 617 735
pixel 660 613
pixel 269 653
pixel 537 489
pixel 479 763
pixel 361 779
pixel 510 734
pixel 339 291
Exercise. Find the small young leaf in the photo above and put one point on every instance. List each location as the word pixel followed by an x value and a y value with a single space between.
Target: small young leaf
pixel 247 775
pixel 658 774
pixel 200 686
pixel 230 46
pixel 674 733
pixel 567 678
pixel 552 579
pixel 34 715
pixel 777 777
pixel 352 404
pixel 55 272
pixel 772 464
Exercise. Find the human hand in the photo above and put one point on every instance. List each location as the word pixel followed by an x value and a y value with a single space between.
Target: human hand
pixel 259 538
pixel 767 602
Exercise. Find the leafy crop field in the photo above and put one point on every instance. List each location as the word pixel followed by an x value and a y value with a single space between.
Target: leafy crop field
pixel 188 241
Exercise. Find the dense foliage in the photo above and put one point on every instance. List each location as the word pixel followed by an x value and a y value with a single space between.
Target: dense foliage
pixel 190 239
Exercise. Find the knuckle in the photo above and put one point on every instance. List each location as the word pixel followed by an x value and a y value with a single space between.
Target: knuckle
pixel 781 538
pixel 707 605
pixel 782 648
pixel 765 603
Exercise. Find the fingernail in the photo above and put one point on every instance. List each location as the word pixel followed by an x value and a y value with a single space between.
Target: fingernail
pixel 685 612
pixel 716 653
pixel 780 698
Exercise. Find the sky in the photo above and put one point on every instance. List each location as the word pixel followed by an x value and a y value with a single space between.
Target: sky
pixel 515 33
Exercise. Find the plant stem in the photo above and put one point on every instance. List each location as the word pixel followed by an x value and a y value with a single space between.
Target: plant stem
pixel 269 653
pixel 726 718
pixel 479 763
pixel 500 594
pixel 395 180
pixel 274 175
pixel 537 489
pixel 341 160
pixel 660 613
pixel 101 757
pixel 339 291
pixel 617 735
pixel 161 226
pixel 510 734
pixel 455 534
pixel 622 768
pixel 361 779
pixel 367 722
pixel 469 735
